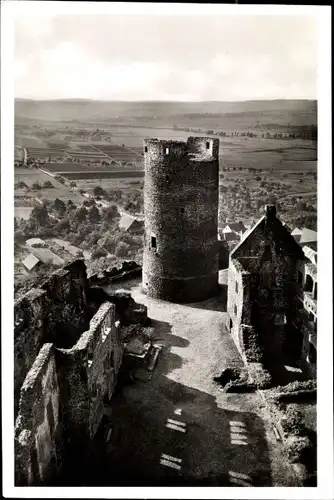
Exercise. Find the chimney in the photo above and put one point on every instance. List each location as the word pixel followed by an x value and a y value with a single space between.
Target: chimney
pixel 270 210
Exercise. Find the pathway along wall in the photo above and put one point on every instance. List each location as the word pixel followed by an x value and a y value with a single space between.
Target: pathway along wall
pixel 181 217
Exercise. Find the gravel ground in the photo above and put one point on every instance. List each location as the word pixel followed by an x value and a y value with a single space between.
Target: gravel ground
pixel 228 439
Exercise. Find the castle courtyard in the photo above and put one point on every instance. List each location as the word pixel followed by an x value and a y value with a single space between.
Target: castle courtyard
pixel 176 426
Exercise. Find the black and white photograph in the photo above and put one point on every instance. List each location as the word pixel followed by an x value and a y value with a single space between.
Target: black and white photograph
pixel 165 175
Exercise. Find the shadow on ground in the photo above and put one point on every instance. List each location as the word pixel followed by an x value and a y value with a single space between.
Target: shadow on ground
pixel 216 303
pixel 218 448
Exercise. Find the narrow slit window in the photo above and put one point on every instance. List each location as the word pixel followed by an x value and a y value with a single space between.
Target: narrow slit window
pixel 145 149
pixel 207 145
pixel 167 177
pixel 182 210
pixel 166 151
pixel 235 310
pixel 153 242
pixel 236 287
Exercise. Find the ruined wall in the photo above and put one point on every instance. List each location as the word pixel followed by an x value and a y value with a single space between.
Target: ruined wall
pixel 88 373
pixel 180 260
pixel 37 430
pixel 55 312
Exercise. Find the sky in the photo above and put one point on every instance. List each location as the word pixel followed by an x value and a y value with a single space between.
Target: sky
pixel 166 57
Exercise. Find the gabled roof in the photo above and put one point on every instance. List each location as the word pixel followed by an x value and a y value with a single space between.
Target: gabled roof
pixel 127 221
pixel 280 232
pixel 48 257
pixel 236 226
pixel 30 262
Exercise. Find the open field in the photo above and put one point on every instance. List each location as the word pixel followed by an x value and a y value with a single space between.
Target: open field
pixel 108 174
pixel 31 176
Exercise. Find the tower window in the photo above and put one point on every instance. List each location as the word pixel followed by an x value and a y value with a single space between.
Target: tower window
pixel 235 310
pixel 166 151
pixel 207 144
pixel 182 210
pixel 145 149
pixel 153 242
pixel 167 177
pixel 236 287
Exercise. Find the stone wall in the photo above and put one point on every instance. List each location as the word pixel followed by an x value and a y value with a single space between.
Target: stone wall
pixel 262 288
pixel 88 373
pixel 56 312
pixel 180 260
pixel 37 430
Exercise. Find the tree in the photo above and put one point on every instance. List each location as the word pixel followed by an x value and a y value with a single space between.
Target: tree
pixel 73 184
pixel 48 185
pixel 81 214
pixel 99 252
pixel 98 191
pixel 63 224
pixel 59 206
pixel 39 216
pixel 94 214
pixel 110 213
pixel 122 249
pixel 36 186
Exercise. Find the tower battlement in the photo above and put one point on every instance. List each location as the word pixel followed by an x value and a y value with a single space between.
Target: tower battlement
pixel 197 148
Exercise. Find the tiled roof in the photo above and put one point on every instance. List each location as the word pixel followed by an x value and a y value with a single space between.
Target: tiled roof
pixel 30 262
pixel 308 235
pixel 126 222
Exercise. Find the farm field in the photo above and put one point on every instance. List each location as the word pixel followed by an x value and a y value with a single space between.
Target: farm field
pixel 31 176
pixel 108 174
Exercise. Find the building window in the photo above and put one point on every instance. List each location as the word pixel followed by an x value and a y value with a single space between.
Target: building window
pixel 280 319
pixel 167 177
pixel 153 242
pixel 182 210
pixel 312 354
pixel 236 287
pixel 231 325
pixel 207 145
pixel 166 151
pixel 235 310
pixel 308 284
pixel 145 149
pixel 299 278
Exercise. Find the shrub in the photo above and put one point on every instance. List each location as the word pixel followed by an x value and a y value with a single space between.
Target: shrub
pixel 292 423
pixel 48 185
pixel 259 375
pixel 36 186
pixel 297 447
pixel 98 191
pixel 122 249
pixel 99 252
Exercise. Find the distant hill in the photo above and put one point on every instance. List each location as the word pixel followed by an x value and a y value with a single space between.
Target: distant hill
pixel 89 110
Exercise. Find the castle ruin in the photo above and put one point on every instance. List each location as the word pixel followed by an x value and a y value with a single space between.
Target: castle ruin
pixel 181 248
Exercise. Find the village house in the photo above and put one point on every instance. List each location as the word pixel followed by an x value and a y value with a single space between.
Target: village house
pixel 131 225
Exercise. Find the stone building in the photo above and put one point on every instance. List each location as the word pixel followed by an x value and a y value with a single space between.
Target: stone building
pixel 270 280
pixel 180 262
pixel 68 352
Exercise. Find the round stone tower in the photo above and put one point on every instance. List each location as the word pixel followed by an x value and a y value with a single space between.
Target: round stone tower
pixel 181 216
